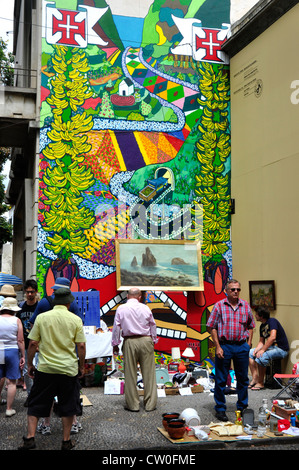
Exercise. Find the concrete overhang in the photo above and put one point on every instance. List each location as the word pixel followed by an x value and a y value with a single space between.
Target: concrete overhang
pixel 17 115
pixel 255 22
pixel 17 174
pixel 17 103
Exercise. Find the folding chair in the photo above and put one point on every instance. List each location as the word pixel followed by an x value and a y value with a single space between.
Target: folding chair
pixel 286 388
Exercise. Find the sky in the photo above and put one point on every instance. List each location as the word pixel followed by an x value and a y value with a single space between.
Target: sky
pixel 6 21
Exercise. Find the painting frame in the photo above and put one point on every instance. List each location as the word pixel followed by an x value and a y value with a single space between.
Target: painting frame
pixel 126 248
pixel 262 293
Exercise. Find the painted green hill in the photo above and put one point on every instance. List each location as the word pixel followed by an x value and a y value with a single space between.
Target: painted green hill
pixel 184 167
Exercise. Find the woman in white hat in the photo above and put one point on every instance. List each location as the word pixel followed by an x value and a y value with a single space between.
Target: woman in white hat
pixel 12 350
pixel 7 291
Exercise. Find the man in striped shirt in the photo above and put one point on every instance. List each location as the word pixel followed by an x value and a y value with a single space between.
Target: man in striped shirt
pixel 231 326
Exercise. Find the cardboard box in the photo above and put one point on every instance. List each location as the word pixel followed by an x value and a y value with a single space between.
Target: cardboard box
pixel 171 391
pixel 168 391
pixel 176 390
pixel 114 387
pixel 197 389
pixel 284 413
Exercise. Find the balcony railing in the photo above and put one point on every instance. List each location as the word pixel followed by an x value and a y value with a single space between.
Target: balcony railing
pixel 25 78
pixel 21 78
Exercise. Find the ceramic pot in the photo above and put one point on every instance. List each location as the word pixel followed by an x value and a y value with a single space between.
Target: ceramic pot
pixel 166 417
pixel 176 428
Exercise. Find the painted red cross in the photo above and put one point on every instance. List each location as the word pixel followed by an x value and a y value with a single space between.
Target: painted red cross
pixel 69 27
pixel 211 44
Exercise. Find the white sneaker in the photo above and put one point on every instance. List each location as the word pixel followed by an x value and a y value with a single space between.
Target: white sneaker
pixel 43 429
pixel 10 412
pixel 46 431
pixel 76 428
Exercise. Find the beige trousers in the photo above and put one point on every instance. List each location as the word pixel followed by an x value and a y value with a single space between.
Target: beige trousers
pixel 140 350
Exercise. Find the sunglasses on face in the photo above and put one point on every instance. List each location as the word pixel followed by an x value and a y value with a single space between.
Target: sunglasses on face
pixel 235 289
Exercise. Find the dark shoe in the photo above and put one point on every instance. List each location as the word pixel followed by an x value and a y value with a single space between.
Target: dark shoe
pixel 128 409
pixel 221 416
pixel 29 443
pixel 67 445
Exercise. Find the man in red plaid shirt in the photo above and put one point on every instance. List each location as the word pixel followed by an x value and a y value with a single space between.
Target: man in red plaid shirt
pixel 231 326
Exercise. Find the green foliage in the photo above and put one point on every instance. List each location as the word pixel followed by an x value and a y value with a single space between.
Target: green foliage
pixel 6 64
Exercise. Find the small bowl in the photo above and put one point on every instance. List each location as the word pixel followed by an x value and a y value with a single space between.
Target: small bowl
pixel 166 417
pixel 176 428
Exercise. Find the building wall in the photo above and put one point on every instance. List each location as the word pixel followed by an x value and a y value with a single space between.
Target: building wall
pixel 265 164
pixel 98 148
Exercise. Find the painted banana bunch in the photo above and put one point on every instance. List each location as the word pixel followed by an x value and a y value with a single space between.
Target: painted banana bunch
pixel 67 176
pixel 70 88
pixel 213 151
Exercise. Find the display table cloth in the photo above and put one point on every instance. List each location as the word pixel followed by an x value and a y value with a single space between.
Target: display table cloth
pixel 99 345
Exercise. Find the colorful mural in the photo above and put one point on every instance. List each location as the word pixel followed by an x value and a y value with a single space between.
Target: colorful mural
pixel 135 143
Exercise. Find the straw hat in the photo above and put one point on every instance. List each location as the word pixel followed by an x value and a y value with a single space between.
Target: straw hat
pixel 7 291
pixel 9 303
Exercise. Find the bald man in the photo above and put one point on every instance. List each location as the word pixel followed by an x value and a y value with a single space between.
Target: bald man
pixel 135 323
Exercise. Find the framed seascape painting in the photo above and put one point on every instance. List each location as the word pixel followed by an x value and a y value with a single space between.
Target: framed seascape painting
pixel 166 265
pixel 262 293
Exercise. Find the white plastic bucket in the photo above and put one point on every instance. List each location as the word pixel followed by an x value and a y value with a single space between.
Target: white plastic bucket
pixel 191 417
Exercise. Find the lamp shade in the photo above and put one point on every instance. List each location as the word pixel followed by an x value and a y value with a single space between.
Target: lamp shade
pixel 188 353
pixel 175 353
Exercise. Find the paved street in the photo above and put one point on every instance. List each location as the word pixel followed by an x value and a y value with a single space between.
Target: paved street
pixel 108 428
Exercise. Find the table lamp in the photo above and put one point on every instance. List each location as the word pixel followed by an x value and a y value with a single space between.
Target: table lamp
pixel 188 353
pixel 175 353
pixel 176 356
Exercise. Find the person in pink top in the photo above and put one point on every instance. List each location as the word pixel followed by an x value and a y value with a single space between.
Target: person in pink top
pixel 134 322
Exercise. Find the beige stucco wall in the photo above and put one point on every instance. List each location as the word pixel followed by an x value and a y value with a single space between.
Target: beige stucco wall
pixel 265 169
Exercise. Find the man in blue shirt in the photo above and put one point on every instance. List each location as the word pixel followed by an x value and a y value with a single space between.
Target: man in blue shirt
pixel 273 344
pixel 45 304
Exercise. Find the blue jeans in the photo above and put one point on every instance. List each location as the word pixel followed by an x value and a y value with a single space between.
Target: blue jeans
pixel 239 354
pixel 271 354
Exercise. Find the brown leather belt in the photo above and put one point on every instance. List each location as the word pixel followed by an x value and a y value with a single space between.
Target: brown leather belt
pixel 137 336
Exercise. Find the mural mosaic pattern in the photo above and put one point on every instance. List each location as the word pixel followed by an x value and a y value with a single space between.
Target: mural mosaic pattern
pixel 135 143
